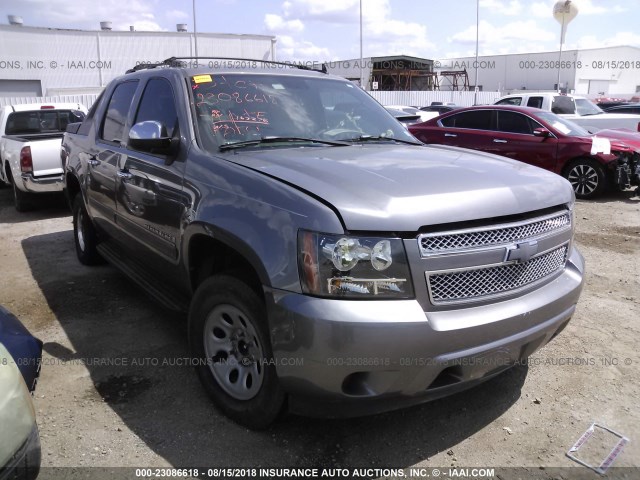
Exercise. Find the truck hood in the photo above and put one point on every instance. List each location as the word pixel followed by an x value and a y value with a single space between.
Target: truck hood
pixel 402 188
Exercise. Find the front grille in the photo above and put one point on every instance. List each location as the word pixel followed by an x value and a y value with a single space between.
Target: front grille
pixel 487 282
pixel 445 242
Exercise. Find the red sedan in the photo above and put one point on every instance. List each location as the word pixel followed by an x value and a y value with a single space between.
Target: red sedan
pixel 590 162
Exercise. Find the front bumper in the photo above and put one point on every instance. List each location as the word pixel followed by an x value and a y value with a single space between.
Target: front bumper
pixel 345 358
pixel 54 183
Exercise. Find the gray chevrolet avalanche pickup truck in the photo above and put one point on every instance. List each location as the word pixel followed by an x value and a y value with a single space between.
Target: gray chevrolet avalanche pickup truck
pixel 330 264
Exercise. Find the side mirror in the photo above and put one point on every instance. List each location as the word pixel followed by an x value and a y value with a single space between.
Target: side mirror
pixel 541 132
pixel 151 136
pixel 76 116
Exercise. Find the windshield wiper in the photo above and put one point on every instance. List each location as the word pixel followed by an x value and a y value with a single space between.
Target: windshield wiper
pixel 265 140
pixel 368 138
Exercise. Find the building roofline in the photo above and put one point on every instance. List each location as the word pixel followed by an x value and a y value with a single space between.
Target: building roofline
pixel 541 53
pixel 25 28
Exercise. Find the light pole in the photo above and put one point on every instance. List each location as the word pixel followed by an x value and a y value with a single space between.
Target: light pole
pixel 195 30
pixel 361 59
pixel 475 87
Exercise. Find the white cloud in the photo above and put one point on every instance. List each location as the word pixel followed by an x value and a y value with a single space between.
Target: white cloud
pixel 177 15
pixel 491 36
pixel 295 50
pixel 513 7
pixel 88 15
pixel 382 34
pixel 620 38
pixel 275 23
pixel 331 11
pixel 394 37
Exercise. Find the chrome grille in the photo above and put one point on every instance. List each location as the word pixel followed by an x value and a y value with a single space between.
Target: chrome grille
pixel 445 242
pixel 481 283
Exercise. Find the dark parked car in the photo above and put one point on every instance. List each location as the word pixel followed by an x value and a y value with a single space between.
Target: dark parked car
pixel 625 108
pixel 25 349
pixel 403 117
pixel 20 355
pixel 440 108
pixel 539 138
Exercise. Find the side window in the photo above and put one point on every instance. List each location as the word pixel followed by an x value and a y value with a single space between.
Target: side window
pixel 535 102
pixel 116 116
pixel 158 104
pixel 517 101
pixel 562 104
pixel 475 119
pixel 86 124
pixel 514 122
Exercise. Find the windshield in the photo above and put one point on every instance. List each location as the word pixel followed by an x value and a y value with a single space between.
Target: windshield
pixel 587 107
pixel 235 108
pixel 563 125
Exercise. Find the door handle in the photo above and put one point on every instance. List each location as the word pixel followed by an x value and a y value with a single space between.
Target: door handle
pixel 125 175
pixel 450 135
pixel 497 140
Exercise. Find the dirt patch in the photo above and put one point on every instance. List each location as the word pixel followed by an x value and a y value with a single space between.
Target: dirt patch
pixel 616 243
pixel 137 410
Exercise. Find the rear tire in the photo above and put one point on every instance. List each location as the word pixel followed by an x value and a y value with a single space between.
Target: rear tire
pixel 84 234
pixel 587 178
pixel 228 336
pixel 23 201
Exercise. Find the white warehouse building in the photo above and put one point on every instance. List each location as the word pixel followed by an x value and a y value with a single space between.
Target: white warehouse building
pixel 47 62
pixel 610 71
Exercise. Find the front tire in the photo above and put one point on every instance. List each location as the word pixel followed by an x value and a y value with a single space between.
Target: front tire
pixel 84 234
pixel 587 178
pixel 229 337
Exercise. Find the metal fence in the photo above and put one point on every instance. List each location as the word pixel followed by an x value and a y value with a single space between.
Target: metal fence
pixel 421 99
pixel 385 98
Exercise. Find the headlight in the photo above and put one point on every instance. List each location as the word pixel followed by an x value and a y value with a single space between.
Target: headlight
pixel 353 267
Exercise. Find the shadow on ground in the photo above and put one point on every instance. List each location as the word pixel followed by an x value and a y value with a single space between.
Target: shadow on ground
pixel 47 205
pixel 105 316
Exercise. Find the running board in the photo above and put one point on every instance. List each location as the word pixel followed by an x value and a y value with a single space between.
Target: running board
pixel 119 259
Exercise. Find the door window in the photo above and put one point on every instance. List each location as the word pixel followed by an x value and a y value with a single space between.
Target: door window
pixel 534 102
pixel 514 122
pixel 474 119
pixel 117 111
pixel 158 105
pixel 517 101
pixel 563 105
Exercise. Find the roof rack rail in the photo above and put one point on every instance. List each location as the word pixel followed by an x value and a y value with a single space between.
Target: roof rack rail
pixel 180 62
pixel 145 66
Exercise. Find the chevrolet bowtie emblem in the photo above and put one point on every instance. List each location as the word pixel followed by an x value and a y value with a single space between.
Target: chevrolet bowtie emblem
pixel 521 252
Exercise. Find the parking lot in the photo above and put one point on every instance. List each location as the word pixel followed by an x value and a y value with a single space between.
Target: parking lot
pixel 115 389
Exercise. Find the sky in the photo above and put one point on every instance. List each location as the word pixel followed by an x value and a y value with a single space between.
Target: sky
pixel 326 30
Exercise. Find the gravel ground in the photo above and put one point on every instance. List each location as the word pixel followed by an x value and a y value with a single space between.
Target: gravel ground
pixel 148 411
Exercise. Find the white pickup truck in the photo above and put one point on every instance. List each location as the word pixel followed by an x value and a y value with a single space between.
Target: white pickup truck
pixel 30 148
pixel 579 110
